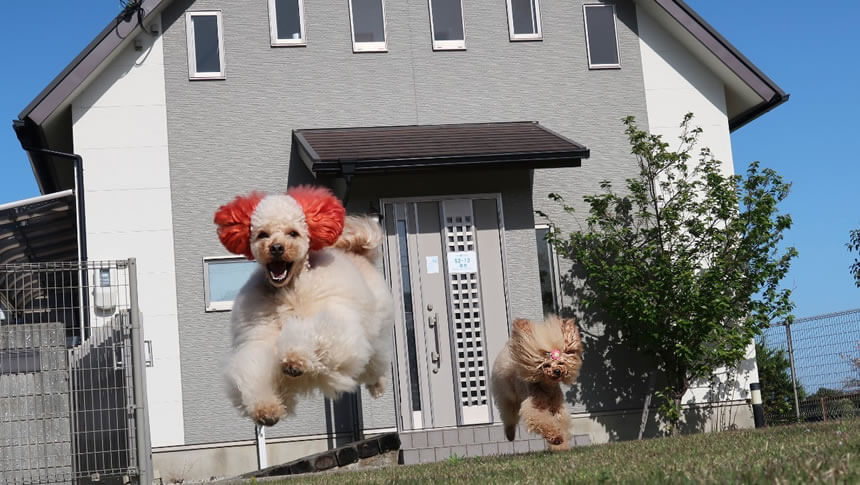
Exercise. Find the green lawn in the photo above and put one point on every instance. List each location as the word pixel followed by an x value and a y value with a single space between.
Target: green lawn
pixel 807 453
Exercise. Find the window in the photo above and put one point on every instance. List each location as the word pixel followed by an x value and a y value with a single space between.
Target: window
pixel 287 22
pixel 223 277
pixel 368 25
pixel 548 268
pixel 446 24
pixel 524 19
pixel 601 38
pixel 205 45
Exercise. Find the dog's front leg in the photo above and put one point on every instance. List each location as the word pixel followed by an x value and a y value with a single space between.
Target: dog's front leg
pixel 297 348
pixel 252 382
pixel 562 417
pixel 539 419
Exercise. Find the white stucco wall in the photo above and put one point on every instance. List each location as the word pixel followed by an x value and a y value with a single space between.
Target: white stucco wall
pixel 676 83
pixel 120 129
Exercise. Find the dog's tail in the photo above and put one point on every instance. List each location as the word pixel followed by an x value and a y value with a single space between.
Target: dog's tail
pixel 361 235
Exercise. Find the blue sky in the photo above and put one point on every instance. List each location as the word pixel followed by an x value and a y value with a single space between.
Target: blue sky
pixel 810 52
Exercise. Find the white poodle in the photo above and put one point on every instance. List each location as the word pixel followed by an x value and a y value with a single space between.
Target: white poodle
pixel 316 314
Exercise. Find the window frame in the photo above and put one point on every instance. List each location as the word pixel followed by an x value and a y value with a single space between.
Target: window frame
pixel 192 47
pixel 447 45
pixel 273 27
pixel 514 37
pixel 585 8
pixel 220 305
pixel 558 298
pixel 369 46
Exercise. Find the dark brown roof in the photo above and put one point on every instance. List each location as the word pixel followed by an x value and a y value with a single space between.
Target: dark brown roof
pixel 523 144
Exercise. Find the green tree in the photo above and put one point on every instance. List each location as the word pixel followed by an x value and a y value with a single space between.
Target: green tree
pixel 685 263
pixel 774 374
pixel 854 246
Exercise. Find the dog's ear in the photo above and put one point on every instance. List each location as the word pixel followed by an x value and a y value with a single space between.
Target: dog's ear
pixel 234 223
pixel 572 339
pixel 324 214
pixel 521 325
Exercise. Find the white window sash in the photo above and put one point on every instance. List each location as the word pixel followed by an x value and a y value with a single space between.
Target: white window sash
pixel 192 47
pixel 615 31
pixel 273 27
pixel 369 46
pixel 443 45
pixel 538 35
pixel 217 305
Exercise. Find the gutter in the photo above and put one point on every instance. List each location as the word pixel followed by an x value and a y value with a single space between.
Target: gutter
pixel 756 111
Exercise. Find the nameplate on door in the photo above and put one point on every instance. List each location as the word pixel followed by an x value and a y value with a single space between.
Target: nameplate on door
pixel 432 264
pixel 462 262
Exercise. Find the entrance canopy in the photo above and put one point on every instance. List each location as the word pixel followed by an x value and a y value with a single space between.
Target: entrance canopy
pixel 352 151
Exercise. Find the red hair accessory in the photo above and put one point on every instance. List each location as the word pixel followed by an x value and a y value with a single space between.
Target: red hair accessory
pixel 324 214
pixel 234 223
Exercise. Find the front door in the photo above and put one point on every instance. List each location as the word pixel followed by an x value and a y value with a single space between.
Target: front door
pixel 445 261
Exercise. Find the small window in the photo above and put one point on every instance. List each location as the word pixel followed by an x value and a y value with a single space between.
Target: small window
pixel 223 277
pixel 446 24
pixel 287 22
pixel 205 45
pixel 368 25
pixel 548 269
pixel 601 37
pixel 524 19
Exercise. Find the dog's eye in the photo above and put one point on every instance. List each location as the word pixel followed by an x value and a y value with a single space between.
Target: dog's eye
pixel 294 234
pixel 262 235
pixel 546 366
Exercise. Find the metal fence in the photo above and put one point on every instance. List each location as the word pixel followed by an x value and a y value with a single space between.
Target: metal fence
pixel 810 370
pixel 71 374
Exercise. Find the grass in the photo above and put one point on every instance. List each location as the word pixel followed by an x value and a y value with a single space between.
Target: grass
pixel 805 453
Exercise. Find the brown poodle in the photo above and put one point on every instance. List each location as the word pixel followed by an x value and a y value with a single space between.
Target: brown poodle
pixel 527 375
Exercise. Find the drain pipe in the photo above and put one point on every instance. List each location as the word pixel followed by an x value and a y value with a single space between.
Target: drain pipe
pixel 78 163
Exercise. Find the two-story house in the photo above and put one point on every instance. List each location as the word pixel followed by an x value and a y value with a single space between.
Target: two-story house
pixel 451 119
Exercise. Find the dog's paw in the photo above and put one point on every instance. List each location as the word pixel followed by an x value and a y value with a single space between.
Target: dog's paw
pixel 554 438
pixel 563 446
pixel 294 365
pixel 377 389
pixel 267 414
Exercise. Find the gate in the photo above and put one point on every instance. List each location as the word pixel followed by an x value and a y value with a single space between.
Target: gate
pixel 72 390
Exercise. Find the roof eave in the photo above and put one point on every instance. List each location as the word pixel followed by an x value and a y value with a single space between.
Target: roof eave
pixel 756 111
pixel 57 92
pixel 771 94
pixel 512 161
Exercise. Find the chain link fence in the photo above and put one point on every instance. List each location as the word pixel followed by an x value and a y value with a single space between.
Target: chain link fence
pixel 810 370
pixel 71 387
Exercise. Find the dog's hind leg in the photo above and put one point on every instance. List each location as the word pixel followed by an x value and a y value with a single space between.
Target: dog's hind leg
pixel 378 365
pixel 510 411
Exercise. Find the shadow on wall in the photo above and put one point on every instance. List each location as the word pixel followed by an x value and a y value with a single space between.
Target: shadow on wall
pixel 615 379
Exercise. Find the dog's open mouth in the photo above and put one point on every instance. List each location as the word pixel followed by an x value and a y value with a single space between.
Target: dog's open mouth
pixel 278 270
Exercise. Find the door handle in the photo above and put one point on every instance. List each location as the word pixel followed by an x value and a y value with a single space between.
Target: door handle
pixel 435 356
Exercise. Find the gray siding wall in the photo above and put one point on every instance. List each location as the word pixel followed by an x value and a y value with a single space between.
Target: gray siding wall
pixel 233 136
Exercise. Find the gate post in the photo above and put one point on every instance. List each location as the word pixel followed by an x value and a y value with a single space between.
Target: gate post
pixel 141 411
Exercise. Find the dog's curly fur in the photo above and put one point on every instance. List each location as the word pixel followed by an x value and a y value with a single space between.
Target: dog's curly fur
pixel 316 314
pixel 527 375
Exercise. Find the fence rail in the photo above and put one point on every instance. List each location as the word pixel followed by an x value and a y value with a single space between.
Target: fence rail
pixel 71 391
pixel 810 370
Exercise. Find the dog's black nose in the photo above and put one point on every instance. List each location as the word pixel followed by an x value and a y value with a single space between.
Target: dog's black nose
pixel 556 372
pixel 276 249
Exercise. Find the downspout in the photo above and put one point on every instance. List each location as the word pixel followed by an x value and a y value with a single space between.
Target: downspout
pixel 80 212
pixel 347 170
